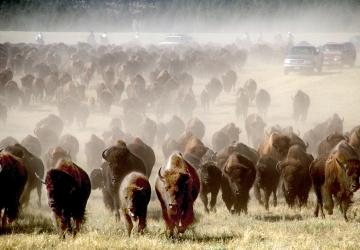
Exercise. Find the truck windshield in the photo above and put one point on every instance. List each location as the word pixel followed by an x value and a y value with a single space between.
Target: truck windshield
pixel 301 50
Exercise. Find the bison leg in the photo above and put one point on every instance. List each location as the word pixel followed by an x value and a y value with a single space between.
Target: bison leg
pixel 142 224
pixel 257 194
pixel 344 205
pixel 38 189
pixel 274 198
pixel 186 219
pixel 24 200
pixel 267 197
pixel 116 206
pixel 128 221
pixel 227 195
pixel 329 203
pixel 319 202
pixel 169 224
pixel 214 195
pixel 205 201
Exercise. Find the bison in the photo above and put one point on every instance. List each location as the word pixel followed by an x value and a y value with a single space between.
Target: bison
pixel 342 172
pixel 242 104
pixel 143 152
pixel 263 100
pixel 135 193
pixel 301 104
pixel 121 162
pixel 210 182
pixel 329 143
pixel 177 187
pixel 276 146
pixel 238 176
pixel 93 149
pixel 254 126
pixel 68 188
pixel 295 174
pixel 267 179
pixel 317 174
pixel 13 177
pixel 35 170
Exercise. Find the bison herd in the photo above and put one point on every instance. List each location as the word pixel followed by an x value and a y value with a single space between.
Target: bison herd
pixel 153 87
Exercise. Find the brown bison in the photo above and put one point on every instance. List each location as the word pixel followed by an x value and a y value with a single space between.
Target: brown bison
pixel 210 182
pixel 32 144
pixel 196 127
pixel 296 181
pixel 329 143
pixel 317 174
pixel 34 168
pixel 301 104
pixel 143 152
pixel 68 188
pixel 276 146
pixel 52 157
pixel 242 104
pixel 267 179
pixel 213 88
pixel 135 193
pixel 93 149
pixel 342 172
pixel 220 140
pixel 121 162
pixel 70 144
pixel 177 187
pixel 263 101
pixel 250 87
pixel 13 177
pixel 254 126
pixel 238 176
pixel 229 80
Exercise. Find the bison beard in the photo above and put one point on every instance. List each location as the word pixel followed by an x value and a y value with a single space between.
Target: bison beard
pixel 68 192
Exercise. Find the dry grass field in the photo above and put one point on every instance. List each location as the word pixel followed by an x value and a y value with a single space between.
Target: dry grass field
pixel 280 228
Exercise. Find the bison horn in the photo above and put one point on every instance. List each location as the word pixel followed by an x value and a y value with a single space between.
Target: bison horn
pixel 38 177
pixel 104 153
pixel 160 176
pixel 328 138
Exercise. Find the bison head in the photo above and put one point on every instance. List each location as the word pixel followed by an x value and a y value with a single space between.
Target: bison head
pixel 240 177
pixel 289 170
pixel 175 184
pixel 352 170
pixel 135 198
pixel 281 144
pixel 97 179
pixel 115 153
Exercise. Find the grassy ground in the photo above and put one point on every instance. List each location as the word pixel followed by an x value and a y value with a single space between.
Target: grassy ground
pixel 281 228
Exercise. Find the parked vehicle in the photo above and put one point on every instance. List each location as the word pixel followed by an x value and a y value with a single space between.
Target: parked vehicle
pixel 303 58
pixel 339 54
